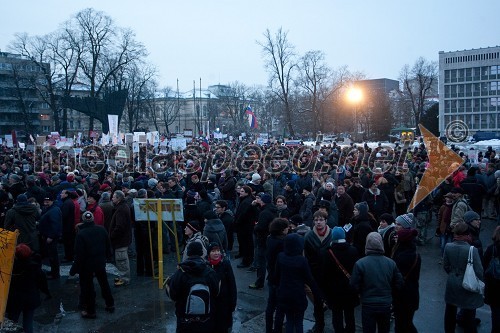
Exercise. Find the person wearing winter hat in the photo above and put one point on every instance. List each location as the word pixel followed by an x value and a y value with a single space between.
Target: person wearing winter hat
pixel 225 302
pixel 92 249
pixel 375 277
pixel 405 221
pixel 23 217
pixel 24 292
pixel 387 229
pixel 362 224
pixel 339 296
pixel 193 268
pixel 255 184
pixel 152 182
pixel 306 209
pixel 193 234
pixel 473 221
pixel 406 301
pixel 454 262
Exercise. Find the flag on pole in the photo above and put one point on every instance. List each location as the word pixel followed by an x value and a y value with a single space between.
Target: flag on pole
pixel 252 120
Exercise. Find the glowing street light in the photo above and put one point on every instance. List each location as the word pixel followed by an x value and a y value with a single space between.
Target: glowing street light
pixel 354 95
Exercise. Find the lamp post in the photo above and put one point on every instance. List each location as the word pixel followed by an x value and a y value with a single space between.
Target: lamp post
pixel 354 95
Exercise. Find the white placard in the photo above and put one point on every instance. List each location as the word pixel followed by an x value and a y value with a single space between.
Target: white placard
pixel 178 144
pixel 170 208
pixel 113 123
pixel 135 147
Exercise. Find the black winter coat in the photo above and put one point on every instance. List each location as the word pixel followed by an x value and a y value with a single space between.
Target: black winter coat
pixel 246 214
pixel 92 248
pixel 225 302
pixel 337 291
pixel 405 256
pixel 27 281
pixel 492 288
pixel 267 214
pixel 274 246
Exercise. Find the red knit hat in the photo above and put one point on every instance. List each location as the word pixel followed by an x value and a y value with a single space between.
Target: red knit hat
pixel 23 251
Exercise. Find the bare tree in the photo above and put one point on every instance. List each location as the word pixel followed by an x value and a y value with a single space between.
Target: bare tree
pixel 232 102
pixel 280 61
pixel 168 108
pixel 418 83
pixel 107 50
pixel 22 81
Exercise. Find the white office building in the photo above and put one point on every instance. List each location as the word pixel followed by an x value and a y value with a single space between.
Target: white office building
pixel 469 89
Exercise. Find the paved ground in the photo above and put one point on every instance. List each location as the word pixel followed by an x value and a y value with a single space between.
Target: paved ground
pixel 142 307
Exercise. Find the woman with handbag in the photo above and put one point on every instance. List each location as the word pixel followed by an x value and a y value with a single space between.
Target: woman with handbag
pixel 455 261
pixel 339 261
pixel 492 280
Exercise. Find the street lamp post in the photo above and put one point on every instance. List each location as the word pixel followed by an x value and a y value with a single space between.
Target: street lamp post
pixel 355 95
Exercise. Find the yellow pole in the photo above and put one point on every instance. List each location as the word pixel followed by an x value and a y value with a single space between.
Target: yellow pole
pixel 160 245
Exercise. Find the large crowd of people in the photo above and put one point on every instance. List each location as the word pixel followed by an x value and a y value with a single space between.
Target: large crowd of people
pixel 328 224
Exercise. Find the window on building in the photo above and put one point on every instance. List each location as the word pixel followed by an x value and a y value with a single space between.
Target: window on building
pixel 453 74
pixel 493 87
pixel 461 106
pixel 476 105
pixel 484 104
pixel 476 74
pixel 461 90
pixel 475 123
pixel 468 120
pixel 484 88
pixel 447 106
pixel 447 76
pixel 44 117
pixel 484 121
pixel 468 105
pixel 468 90
pixel 493 103
pixel 460 75
pixel 492 118
pixel 468 74
pixel 453 108
pixel 476 89
pixel 485 71
pixel 493 72
pixel 447 91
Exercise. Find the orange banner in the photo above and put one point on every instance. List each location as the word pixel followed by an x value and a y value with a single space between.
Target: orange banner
pixel 8 241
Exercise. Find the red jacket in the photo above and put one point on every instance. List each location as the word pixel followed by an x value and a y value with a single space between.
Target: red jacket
pixel 98 214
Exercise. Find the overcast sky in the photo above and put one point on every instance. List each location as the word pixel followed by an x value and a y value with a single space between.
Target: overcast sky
pixel 216 40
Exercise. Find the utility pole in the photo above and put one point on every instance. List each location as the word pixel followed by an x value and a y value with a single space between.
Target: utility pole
pixel 178 108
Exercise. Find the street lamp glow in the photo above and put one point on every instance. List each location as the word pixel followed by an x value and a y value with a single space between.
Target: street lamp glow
pixel 354 95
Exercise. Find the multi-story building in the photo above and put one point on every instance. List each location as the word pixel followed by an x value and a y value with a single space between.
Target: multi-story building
pixel 469 89
pixel 21 108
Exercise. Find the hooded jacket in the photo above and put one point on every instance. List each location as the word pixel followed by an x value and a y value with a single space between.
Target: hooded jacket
pixel 191 270
pixel 292 272
pixel 375 276
pixel 377 202
pixel 23 217
pixel 216 232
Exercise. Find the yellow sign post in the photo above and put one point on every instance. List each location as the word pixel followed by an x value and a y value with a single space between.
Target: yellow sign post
pixel 160 210
pixel 8 241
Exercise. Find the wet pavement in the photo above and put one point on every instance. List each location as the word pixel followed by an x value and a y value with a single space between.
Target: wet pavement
pixel 142 307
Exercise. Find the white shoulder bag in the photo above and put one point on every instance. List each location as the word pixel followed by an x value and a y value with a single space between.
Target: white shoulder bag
pixel 470 281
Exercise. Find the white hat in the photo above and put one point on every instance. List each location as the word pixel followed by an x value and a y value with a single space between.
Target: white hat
pixel 255 177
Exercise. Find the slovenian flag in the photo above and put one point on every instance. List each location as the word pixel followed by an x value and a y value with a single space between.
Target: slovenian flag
pixel 252 120
pixel 205 144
